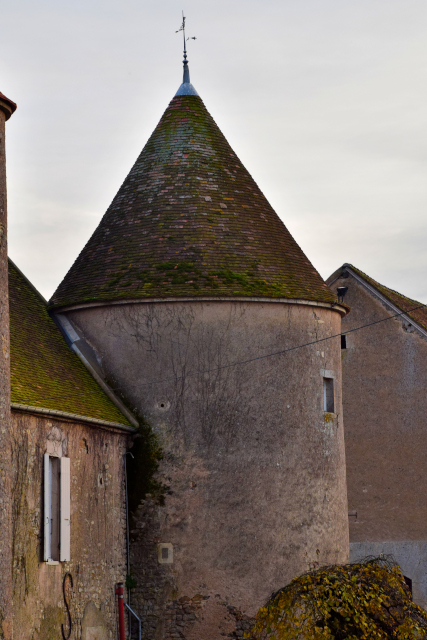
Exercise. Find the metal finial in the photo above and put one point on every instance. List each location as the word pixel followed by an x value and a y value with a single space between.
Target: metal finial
pixel 188 89
pixel 182 28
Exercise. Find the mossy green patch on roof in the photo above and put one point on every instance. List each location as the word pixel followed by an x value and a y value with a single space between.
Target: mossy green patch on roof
pixel 45 373
pixel 407 305
pixel 189 221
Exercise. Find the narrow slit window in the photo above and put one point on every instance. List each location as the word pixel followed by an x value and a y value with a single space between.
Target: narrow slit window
pixel 343 342
pixel 328 395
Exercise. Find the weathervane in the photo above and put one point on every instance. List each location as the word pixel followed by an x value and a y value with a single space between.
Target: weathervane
pixel 182 28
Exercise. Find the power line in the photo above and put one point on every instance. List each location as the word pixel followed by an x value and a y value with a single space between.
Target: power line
pixel 254 359
pixel 282 351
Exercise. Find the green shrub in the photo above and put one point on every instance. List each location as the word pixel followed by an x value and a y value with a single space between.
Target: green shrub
pixel 368 600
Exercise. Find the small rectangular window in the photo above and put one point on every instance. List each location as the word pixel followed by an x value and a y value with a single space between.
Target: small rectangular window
pixel 328 395
pixel 165 553
pixel 343 342
pixel 56 508
pixel 408 583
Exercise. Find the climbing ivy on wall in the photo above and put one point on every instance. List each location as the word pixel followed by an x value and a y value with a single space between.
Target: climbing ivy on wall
pixel 368 600
pixel 142 466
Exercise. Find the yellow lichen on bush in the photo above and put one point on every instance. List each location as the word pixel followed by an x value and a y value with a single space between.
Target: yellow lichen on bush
pixel 368 600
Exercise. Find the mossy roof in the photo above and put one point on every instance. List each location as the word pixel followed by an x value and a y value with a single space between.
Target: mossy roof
pixel 400 301
pixel 45 373
pixel 189 221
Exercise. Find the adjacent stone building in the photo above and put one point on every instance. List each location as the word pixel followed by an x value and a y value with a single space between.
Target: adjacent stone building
pixel 7 108
pixel 68 441
pixel 64 435
pixel 385 412
pixel 188 285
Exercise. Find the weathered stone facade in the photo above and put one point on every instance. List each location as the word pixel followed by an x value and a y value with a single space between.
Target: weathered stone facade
pixel 7 107
pixel 98 529
pixel 385 413
pixel 67 442
pixel 188 285
pixel 253 468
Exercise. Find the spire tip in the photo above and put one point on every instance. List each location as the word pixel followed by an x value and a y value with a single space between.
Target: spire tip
pixel 186 89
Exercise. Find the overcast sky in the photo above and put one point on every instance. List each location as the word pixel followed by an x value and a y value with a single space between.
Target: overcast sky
pixel 324 101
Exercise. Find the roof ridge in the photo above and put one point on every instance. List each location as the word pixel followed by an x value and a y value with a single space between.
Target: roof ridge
pixel 418 315
pixel 379 284
pixel 29 283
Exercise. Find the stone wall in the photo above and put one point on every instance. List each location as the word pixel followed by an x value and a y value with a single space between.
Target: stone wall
pixel 253 469
pixel 98 557
pixel 410 556
pixel 5 537
pixel 385 413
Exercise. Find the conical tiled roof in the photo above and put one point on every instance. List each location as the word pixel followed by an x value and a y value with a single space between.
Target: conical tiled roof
pixel 189 221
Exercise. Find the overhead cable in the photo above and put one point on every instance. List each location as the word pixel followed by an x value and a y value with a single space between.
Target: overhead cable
pixel 249 360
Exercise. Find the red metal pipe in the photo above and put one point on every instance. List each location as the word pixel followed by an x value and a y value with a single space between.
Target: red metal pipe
pixel 119 594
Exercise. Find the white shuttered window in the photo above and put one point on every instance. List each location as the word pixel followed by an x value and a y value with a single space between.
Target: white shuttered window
pixel 46 528
pixel 56 508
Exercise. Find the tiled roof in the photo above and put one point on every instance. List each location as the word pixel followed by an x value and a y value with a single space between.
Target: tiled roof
pixel 189 220
pixel 44 371
pixel 401 302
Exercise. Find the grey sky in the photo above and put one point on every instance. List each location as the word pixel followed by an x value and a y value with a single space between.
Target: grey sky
pixel 324 101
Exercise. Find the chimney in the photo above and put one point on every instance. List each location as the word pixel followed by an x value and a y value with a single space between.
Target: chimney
pixel 7 107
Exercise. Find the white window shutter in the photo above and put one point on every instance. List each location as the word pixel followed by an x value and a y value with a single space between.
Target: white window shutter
pixel 46 527
pixel 65 511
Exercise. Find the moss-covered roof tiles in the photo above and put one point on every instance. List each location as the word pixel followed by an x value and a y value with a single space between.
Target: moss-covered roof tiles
pixel 190 221
pixel 45 373
pixel 401 302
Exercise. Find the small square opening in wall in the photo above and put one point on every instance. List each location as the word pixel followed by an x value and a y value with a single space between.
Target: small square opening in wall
pixel 165 553
pixel 328 395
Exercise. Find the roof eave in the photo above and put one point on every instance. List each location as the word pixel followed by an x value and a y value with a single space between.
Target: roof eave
pixel 74 417
pixel 342 308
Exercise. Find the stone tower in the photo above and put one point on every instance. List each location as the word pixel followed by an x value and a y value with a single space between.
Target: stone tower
pixel 7 107
pixel 188 285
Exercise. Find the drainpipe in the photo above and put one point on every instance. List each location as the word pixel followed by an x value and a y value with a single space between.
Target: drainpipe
pixel 131 611
pixel 119 594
